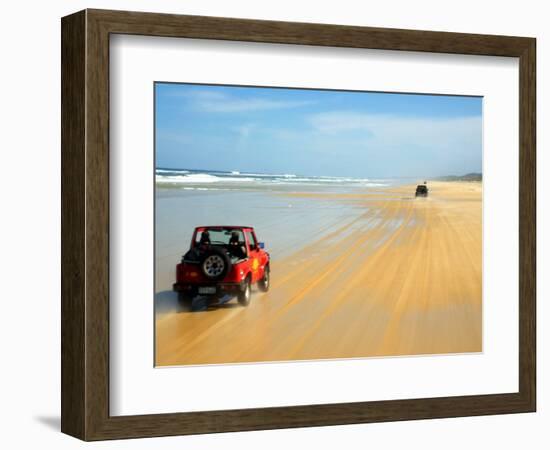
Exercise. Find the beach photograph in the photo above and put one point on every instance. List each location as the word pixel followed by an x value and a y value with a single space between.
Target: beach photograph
pixel 309 224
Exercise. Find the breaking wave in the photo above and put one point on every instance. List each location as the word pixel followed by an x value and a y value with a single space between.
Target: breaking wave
pixel 198 177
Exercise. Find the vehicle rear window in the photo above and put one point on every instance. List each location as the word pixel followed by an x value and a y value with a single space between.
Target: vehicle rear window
pixel 219 236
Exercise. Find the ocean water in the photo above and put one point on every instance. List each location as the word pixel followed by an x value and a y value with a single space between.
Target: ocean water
pixel 234 180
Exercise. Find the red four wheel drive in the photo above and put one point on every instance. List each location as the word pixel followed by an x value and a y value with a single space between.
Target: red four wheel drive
pixel 223 260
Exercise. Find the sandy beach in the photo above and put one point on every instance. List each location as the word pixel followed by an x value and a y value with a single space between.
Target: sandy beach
pixel 372 272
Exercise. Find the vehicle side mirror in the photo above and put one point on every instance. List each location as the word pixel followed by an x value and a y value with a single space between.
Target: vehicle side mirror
pixel 261 245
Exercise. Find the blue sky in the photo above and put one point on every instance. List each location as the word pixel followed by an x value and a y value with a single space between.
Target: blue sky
pixel 316 132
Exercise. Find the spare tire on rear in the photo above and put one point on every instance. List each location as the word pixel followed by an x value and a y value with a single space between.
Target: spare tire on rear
pixel 215 263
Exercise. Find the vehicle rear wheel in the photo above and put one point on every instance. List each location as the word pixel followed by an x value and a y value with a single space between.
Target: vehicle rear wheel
pixel 185 298
pixel 245 294
pixel 263 284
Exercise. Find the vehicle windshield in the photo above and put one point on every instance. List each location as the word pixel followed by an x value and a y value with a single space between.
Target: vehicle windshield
pixel 219 236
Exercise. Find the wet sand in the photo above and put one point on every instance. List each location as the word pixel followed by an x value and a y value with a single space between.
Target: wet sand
pixel 403 276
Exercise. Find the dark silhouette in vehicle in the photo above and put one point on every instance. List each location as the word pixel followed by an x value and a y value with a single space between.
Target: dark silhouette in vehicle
pixel 421 190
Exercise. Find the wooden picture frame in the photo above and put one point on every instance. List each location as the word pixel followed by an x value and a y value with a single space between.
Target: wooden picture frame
pixel 85 224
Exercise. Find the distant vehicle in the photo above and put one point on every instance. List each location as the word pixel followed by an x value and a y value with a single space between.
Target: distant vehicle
pixel 223 260
pixel 421 190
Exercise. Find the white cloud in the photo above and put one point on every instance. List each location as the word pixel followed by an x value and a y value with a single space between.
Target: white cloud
pixel 380 124
pixel 244 130
pixel 400 130
pixel 217 102
pixel 339 121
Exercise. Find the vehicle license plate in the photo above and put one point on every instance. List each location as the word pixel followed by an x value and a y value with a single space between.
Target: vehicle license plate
pixel 207 290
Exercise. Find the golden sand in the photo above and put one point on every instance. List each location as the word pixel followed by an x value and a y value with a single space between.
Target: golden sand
pixel 404 278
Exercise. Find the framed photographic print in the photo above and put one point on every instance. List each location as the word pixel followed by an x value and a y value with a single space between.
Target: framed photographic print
pixel 272 224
